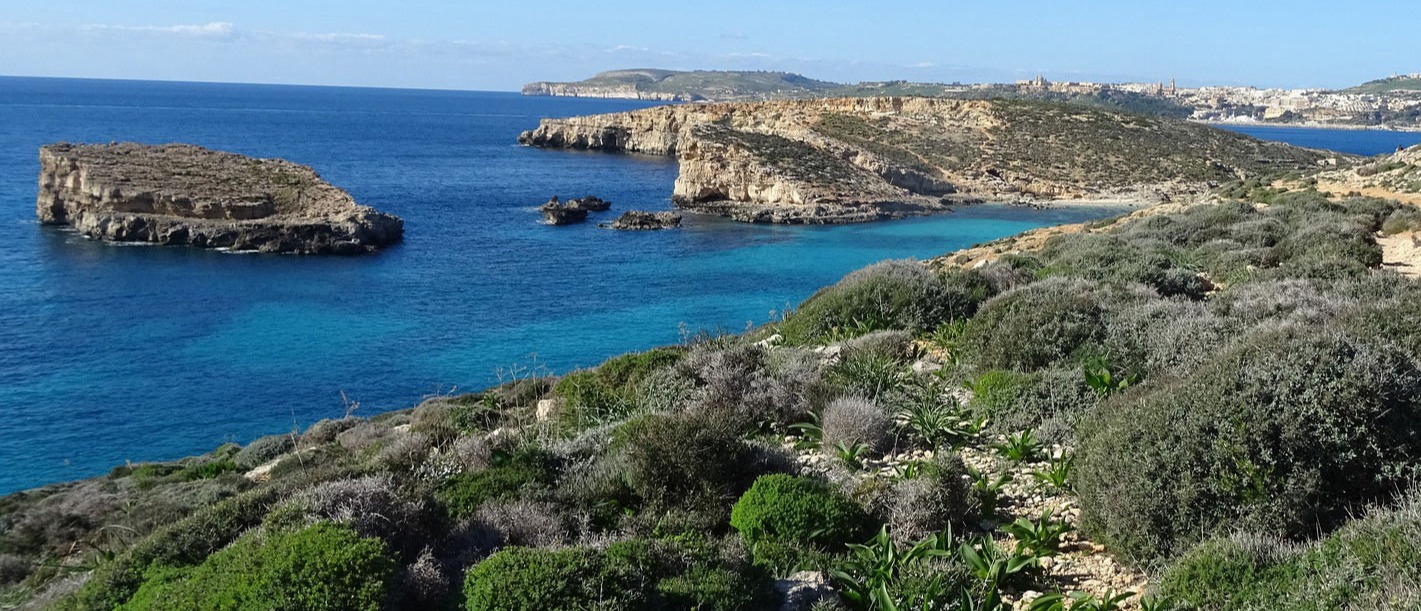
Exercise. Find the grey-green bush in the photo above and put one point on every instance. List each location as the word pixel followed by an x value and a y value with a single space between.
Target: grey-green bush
pixel 263 450
pixel 1373 562
pixel 1284 434
pixel 1036 325
pixel 854 420
pixel 888 295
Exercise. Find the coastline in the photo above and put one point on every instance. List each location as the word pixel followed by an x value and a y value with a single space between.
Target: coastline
pixel 1341 127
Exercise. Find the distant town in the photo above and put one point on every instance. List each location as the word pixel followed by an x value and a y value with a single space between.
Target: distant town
pixel 1369 104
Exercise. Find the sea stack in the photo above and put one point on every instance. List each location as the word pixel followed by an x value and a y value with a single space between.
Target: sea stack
pixel 180 194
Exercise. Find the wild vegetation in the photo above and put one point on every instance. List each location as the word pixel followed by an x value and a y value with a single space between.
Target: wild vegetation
pixel 1226 397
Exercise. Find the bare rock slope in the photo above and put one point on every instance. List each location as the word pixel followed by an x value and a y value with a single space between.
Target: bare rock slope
pixel 182 194
pixel 860 159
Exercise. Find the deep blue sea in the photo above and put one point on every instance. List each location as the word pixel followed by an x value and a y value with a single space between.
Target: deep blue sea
pixel 1357 141
pixel 130 353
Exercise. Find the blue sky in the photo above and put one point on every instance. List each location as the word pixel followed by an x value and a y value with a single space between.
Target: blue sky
pixel 498 46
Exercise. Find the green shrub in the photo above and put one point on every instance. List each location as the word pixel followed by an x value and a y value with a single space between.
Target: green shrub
pixel 1405 218
pixel 186 542
pixel 320 567
pixel 800 510
pixel 888 295
pixel 1284 434
pixel 263 450
pixel 631 575
pixel 1112 258
pixel 510 475
pixel 689 461
pixel 1013 402
pixel 869 374
pixel 526 579
pixel 588 401
pixel 1371 563
pixel 1034 326
pixel 613 389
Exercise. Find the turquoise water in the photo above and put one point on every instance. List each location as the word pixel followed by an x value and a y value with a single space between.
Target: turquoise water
pixel 126 353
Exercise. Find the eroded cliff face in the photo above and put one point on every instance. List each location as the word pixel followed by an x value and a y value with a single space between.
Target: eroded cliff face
pixel 180 194
pixel 854 159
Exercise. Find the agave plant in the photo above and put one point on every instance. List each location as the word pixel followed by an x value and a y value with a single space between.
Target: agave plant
pixel 987 489
pixel 1057 473
pixel 869 578
pixel 1041 538
pixel 993 565
pixel 811 434
pixel 1020 447
pixel 851 454
pixel 1080 601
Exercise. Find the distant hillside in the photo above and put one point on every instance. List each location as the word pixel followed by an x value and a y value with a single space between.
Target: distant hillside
pixel 668 85
pixel 730 86
pixel 1408 82
pixel 866 158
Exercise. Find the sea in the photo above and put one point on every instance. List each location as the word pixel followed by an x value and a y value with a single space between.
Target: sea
pixel 111 354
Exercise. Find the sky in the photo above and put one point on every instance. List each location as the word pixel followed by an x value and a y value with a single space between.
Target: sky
pixel 476 44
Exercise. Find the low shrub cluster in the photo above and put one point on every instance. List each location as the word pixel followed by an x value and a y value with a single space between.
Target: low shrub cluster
pixel 634 574
pixel 321 567
pixel 889 295
pixel 511 475
pixel 1371 563
pixel 1289 432
pixel 798 510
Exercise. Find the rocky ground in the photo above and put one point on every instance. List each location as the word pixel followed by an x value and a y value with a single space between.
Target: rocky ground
pixel 1081 565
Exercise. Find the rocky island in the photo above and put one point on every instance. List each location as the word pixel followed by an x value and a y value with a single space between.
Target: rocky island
pixel 863 159
pixel 180 194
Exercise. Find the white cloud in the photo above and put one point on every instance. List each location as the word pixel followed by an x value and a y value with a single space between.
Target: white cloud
pixel 923 65
pixel 216 30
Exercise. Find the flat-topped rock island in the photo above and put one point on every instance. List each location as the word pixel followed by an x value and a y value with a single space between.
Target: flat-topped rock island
pixel 181 194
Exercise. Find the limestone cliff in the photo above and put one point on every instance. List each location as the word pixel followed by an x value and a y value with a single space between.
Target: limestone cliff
pixel 186 195
pixel 615 91
pixel 855 159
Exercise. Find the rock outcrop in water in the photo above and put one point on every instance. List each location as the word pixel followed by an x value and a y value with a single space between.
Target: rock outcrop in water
pixel 180 194
pixel 641 220
pixel 862 159
pixel 572 211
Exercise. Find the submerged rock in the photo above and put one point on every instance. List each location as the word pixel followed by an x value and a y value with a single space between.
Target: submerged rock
pixel 639 220
pixel 180 194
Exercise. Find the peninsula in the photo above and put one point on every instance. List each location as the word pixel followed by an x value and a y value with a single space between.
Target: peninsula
pixel 675 85
pixel 180 194
pixel 863 159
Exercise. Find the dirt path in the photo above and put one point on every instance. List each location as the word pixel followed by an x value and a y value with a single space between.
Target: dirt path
pixel 1401 253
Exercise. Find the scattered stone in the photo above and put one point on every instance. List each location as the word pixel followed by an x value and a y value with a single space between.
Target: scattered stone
pixel 801 590
pixel 639 220
pixel 773 340
pixel 547 409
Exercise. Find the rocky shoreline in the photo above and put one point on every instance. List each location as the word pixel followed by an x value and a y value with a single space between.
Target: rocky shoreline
pixel 185 195
pixel 863 159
